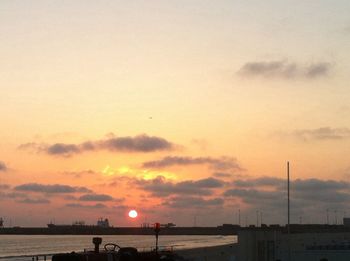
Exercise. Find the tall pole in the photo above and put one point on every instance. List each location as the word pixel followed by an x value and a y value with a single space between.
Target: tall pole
pixel 288 197
pixel 327 216
pixel 157 230
pixel 239 217
pixel 288 228
pixel 336 217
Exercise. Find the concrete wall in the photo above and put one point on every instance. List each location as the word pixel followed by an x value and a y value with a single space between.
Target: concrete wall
pixel 259 245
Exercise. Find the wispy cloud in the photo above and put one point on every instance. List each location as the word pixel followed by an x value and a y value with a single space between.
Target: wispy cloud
pixel 51 189
pixel 222 175
pixel 256 196
pixel 259 182
pixel 77 205
pixel 142 143
pixel 161 187
pixel 95 197
pixel 2 166
pixel 192 202
pixel 324 133
pixel 12 195
pixel 316 134
pixel 4 186
pixel 34 201
pixel 284 69
pixel 81 173
pixel 223 163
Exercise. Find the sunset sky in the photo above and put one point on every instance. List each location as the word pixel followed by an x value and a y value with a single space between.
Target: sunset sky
pixel 184 110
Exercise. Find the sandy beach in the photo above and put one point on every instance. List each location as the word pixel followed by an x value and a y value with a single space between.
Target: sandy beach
pixel 215 253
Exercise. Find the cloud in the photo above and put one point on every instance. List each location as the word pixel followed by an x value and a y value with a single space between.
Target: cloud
pixel 2 166
pixel 61 148
pixel 95 197
pixel 70 197
pixel 34 201
pixel 51 189
pixel 160 187
pixel 15 195
pixel 142 143
pixel 284 69
pixel 118 200
pixel 223 163
pixel 11 195
pixel 301 188
pixel 81 173
pixel 260 182
pixel 121 207
pixel 192 202
pixel 324 133
pixel 317 70
pixel 317 184
pixel 222 175
pixel 4 186
pixel 254 196
pixel 309 197
pixel 327 191
pixel 29 145
pixel 77 205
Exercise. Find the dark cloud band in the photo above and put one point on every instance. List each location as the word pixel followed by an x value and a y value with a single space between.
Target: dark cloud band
pixel 51 189
pixel 141 143
pixel 224 163
pixel 285 69
pixel 77 205
pixel 34 201
pixel 308 196
pixel 192 202
pixel 95 197
pixel 2 166
pixel 161 187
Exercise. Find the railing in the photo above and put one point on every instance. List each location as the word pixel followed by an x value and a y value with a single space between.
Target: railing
pixel 44 257
pixel 40 257
pixel 47 257
pixel 168 248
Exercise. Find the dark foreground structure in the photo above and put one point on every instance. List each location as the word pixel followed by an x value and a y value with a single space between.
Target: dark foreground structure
pixel 302 243
pixel 113 252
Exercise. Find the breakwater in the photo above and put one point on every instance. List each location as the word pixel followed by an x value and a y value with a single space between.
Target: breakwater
pixel 95 230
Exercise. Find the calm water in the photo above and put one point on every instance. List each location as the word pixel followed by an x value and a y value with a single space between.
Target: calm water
pixel 12 247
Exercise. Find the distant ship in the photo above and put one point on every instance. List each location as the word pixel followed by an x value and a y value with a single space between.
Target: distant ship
pixel 103 223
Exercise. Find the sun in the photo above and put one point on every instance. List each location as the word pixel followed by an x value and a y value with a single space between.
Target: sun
pixel 133 213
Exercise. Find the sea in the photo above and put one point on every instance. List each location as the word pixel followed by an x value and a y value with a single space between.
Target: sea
pixel 41 247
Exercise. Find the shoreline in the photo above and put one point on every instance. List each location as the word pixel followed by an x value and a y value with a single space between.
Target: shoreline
pixel 216 253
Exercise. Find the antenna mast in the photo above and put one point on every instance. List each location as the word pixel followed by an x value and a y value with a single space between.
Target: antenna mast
pixel 288 197
pixel 288 228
